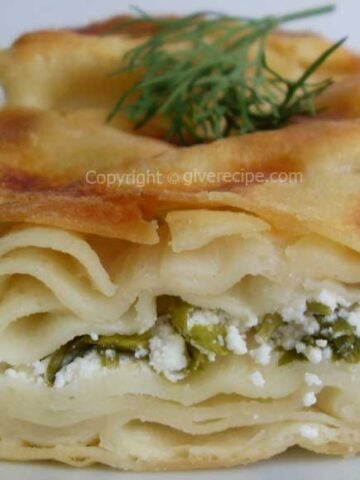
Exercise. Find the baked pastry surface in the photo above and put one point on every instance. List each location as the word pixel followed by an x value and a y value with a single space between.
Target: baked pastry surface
pixel 99 221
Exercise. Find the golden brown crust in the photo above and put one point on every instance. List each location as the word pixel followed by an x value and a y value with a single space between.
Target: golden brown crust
pixel 44 159
pixel 341 100
pixel 69 69
pixel 120 24
pixel 53 134
pixel 59 64
pixel 30 140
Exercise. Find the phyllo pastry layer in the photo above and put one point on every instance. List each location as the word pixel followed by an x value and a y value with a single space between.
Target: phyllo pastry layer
pixel 167 306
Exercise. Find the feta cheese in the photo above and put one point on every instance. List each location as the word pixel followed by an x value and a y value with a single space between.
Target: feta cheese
pixel 252 320
pixel 257 379
pixel 343 313
pixel 203 317
pixel 141 352
pixel 25 374
pixel 295 311
pixel 311 326
pixel 18 374
pixel 309 431
pixel 321 342
pixel 314 354
pixel 262 354
pixel 39 368
pixel 327 298
pixel 290 335
pixel 81 367
pixel 309 399
pixel 312 379
pixel 300 347
pixel 94 337
pixel 331 299
pixel 288 341
pixel 168 352
pixel 327 353
pixel 235 342
pixel 331 317
pixel 211 356
pixel 110 354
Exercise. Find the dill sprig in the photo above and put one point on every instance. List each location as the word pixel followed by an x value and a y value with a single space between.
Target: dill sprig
pixel 207 73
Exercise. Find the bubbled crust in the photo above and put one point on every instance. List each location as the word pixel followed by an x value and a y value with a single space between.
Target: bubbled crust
pixel 53 132
pixel 69 68
pixel 44 158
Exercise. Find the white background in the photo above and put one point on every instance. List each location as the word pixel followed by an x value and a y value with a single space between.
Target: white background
pixel 17 16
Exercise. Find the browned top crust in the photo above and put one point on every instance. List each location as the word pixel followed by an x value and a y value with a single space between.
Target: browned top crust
pixel 119 24
pixel 46 156
pixel 69 69
pixel 52 134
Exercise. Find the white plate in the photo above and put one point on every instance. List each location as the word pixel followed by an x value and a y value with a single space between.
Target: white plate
pixel 18 16
pixel 293 465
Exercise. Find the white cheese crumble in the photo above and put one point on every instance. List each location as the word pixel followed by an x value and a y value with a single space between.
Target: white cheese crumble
pixel 314 354
pixel 262 354
pixel 312 379
pixel 327 298
pixel 211 356
pixel 39 367
pixel 257 379
pixel 309 398
pixel 235 342
pixel 81 367
pixel 291 333
pixel 300 347
pixel 342 313
pixel 31 373
pixel 168 352
pixel 141 352
pixel 327 354
pixel 252 320
pixel 110 354
pixel 295 311
pixel 18 374
pixel 202 317
pixel 94 337
pixel 309 431
pixel 331 299
pixel 321 342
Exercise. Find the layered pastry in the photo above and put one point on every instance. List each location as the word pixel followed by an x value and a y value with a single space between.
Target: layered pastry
pixel 172 301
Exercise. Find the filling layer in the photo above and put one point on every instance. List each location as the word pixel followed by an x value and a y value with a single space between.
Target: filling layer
pixel 262 299
pixel 185 338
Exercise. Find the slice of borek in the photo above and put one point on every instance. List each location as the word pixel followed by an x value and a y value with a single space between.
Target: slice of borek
pixel 176 326
pixel 259 318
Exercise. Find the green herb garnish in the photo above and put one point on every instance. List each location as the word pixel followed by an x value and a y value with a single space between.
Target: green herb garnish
pixel 208 75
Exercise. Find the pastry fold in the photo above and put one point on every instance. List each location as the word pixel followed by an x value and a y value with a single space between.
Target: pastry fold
pixel 164 307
